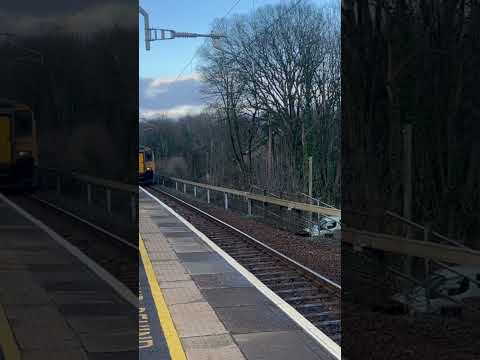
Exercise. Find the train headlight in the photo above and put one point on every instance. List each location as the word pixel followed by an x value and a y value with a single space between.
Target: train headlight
pixel 149 169
pixel 24 154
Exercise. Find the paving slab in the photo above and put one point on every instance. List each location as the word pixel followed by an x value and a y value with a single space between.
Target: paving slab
pixel 182 295
pixel 127 355
pixel 111 342
pixel 29 325
pixel 180 248
pixel 196 319
pixel 147 226
pixel 213 281
pixel 167 229
pixel 228 297
pixel 257 318
pixel 170 271
pixel 19 287
pixel 55 354
pixel 278 345
pixel 166 222
pixel 155 246
pixel 214 347
pixel 80 297
pixel 96 309
pixel 204 263
pixel 10 218
pixel 175 284
pixel 177 234
pixel 104 324
pixel 157 256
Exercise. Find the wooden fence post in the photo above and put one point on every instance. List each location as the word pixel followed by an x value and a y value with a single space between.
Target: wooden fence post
pixel 89 194
pixel 109 201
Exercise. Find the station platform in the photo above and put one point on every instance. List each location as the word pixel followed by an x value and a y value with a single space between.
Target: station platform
pixel 197 305
pixel 54 302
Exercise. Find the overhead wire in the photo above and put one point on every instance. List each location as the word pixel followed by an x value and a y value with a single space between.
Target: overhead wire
pixel 198 50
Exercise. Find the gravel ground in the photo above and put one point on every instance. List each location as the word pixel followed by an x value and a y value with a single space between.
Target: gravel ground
pixel 372 335
pixel 368 334
pixel 322 256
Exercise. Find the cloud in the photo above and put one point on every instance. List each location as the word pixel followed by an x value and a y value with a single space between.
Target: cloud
pixel 170 97
pixel 173 113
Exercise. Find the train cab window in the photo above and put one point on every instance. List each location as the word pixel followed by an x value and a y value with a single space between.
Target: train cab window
pixel 23 123
pixel 148 156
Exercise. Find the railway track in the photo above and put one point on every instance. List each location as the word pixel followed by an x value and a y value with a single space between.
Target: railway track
pixel 317 298
pixel 115 254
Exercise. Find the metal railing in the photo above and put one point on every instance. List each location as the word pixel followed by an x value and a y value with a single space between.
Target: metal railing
pixel 427 237
pixel 114 198
pixel 436 255
pixel 249 197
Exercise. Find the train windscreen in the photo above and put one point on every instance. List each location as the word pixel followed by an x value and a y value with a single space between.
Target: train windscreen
pixel 23 123
pixel 148 156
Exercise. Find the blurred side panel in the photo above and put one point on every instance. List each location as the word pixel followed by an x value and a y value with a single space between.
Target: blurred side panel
pixel 410 179
pixel 68 179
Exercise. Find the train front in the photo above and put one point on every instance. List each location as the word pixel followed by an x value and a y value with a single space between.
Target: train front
pixel 18 147
pixel 146 170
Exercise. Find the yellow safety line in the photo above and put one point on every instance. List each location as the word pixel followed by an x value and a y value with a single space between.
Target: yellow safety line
pixel 173 341
pixel 7 340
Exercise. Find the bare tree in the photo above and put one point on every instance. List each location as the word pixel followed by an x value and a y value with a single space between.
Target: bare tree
pixel 274 81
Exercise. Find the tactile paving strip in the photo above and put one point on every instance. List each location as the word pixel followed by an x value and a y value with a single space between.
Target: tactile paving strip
pixel 196 319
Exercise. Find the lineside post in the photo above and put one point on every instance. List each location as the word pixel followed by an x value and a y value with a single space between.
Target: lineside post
pixel 133 208
pixel 226 200
pixel 176 186
pixel 89 194
pixel 195 191
pixel 45 181
pixel 208 196
pixel 426 238
pixel 310 184
pixel 264 203
pixel 184 187
pixel 109 201
pixel 318 214
pixel 407 188
pixel 249 205
pixel 59 185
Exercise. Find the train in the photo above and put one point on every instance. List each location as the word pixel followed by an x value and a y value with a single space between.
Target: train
pixel 146 165
pixel 18 146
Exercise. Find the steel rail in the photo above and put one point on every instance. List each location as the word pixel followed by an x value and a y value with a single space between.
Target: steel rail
pixel 85 222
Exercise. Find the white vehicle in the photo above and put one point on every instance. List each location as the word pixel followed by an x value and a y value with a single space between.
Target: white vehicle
pixel 326 228
pixel 443 282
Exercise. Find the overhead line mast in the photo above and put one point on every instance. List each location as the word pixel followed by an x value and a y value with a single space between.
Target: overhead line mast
pixel 155 34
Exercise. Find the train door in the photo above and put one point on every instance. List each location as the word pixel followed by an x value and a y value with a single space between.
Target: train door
pixel 141 163
pixel 5 140
pixel 154 165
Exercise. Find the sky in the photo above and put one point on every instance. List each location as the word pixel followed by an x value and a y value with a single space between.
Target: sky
pixel 160 94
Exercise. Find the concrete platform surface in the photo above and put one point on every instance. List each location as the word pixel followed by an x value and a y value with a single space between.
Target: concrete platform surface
pixel 218 314
pixel 52 306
